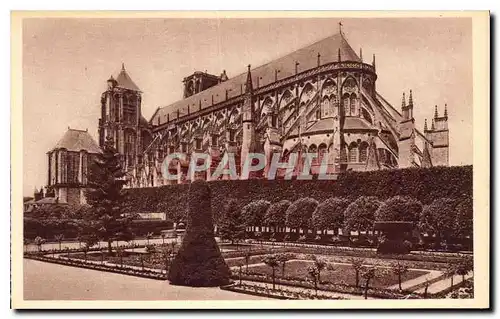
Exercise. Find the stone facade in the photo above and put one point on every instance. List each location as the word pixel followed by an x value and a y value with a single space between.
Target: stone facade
pixel 321 99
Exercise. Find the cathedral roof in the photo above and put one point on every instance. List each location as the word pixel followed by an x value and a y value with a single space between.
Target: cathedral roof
pixel 326 124
pixel 307 58
pixel 123 80
pixel 76 141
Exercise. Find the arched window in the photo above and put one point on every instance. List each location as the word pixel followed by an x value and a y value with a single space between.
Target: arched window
pixel 325 107
pixel 353 104
pixel 345 102
pixel 353 152
pixel 343 154
pixel 322 150
pixel 333 105
pixel 363 152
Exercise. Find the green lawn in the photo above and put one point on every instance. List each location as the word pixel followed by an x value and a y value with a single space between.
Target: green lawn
pixel 339 274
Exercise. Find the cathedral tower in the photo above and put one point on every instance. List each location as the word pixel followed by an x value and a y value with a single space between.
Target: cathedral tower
pixel 248 142
pixel 121 117
pixel 406 141
pixel 439 136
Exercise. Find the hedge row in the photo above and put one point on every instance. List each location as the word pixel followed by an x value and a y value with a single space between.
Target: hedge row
pixel 423 184
pixel 70 228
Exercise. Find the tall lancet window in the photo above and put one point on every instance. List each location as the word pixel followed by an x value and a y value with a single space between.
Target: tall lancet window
pixel 345 102
pixel 352 103
pixel 353 152
pixel 363 152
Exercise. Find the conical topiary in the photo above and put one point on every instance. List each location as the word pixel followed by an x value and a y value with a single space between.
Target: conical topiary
pixel 199 262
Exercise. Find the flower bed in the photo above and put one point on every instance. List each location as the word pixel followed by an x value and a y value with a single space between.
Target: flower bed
pixel 340 274
pixel 278 293
pixel 146 273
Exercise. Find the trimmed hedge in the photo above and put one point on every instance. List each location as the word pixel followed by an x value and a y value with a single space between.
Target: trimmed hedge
pixel 49 228
pixel 423 184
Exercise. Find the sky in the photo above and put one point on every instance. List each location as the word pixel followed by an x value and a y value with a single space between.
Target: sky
pixel 66 62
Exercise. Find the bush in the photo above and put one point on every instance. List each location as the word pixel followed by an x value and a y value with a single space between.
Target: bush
pixel 299 214
pixel 359 215
pixel 330 214
pixel 199 262
pixel 399 208
pixel 394 247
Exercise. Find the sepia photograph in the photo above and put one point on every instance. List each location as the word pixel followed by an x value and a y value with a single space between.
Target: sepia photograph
pixel 250 160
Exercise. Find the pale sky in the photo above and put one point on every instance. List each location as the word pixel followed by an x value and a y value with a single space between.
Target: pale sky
pixel 66 63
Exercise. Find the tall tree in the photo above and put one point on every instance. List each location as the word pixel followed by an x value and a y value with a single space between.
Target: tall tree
pixel 399 208
pixel 439 218
pixel 360 214
pixel 275 216
pixel 253 213
pixel 330 214
pixel 231 226
pixel 105 183
pixel 299 214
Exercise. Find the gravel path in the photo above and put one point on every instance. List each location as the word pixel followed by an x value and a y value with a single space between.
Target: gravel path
pixel 47 281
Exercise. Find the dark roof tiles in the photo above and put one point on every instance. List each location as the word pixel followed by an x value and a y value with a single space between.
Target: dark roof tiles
pixel 76 141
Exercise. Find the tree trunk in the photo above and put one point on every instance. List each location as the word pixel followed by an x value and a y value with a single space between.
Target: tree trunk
pixel 366 288
pixel 316 287
pixel 463 280
pixel 451 281
pixel 357 278
pixel 274 281
pixel 399 282
pixel 59 245
pixel 283 269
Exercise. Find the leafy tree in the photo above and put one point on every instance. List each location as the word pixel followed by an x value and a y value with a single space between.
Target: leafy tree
pixel 247 261
pixel 39 241
pixel 163 238
pixel 120 252
pixel 254 212
pixel 450 271
pixel 439 218
pixel 357 265
pixel 319 264
pixel 314 272
pixel 148 237
pixel 464 218
pixel 104 193
pixel 399 208
pixel 272 262
pixel 283 258
pixel 399 269
pixel 299 214
pixel 330 214
pixel 275 216
pixel 360 214
pixel 368 273
pixel 231 226
pixel 59 238
pixel 464 266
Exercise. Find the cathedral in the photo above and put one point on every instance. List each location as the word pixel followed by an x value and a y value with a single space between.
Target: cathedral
pixel 319 99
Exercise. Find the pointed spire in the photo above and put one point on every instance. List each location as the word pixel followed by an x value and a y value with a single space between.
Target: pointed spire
pixel 445 110
pixel 373 62
pixel 425 125
pixel 340 27
pixel 436 115
pixel 248 84
pixel 410 99
pixel 339 59
pixel 361 54
pixel 123 66
pixel 403 102
pixel 433 127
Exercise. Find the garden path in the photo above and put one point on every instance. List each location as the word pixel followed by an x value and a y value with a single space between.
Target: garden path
pixel 444 284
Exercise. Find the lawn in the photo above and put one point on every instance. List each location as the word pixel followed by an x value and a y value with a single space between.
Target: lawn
pixel 340 274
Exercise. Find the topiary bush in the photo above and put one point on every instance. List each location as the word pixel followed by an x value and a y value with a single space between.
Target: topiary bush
pixel 199 262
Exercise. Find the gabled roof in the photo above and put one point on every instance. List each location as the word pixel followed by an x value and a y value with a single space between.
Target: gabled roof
pixel 307 58
pixel 77 140
pixel 123 80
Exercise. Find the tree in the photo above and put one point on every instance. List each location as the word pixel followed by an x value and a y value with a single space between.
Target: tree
pixel 314 272
pixel 464 218
pixel 254 212
pixel 450 271
pixel 104 193
pixel 231 226
pixel 247 261
pixel 59 238
pixel 148 237
pixel 120 252
pixel 399 208
pixel 357 265
pixel 275 216
pixel 163 238
pixel 368 273
pixel 299 214
pixel 330 214
pixel 320 265
pixel 283 258
pixel 272 262
pixel 360 214
pixel 39 241
pixel 439 218
pixel 399 269
pixel 199 262
pixel 464 266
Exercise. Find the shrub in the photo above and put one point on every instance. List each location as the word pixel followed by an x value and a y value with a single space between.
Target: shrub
pixel 275 216
pixel 399 208
pixel 199 261
pixel 253 213
pixel 360 214
pixel 440 218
